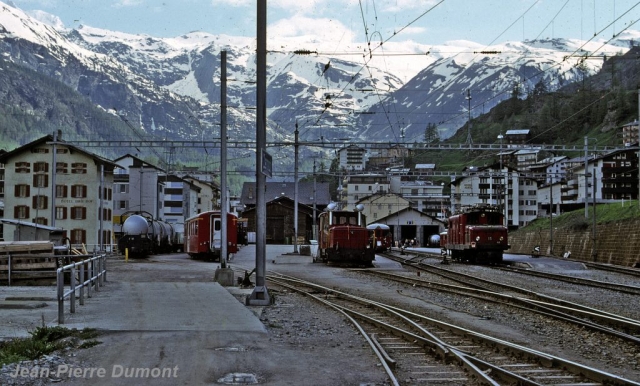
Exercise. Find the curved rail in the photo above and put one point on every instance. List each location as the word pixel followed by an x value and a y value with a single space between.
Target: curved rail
pixel 630 289
pixel 592 318
pixel 489 360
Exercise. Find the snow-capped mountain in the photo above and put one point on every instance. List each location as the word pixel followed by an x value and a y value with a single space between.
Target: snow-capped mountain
pixel 443 92
pixel 171 86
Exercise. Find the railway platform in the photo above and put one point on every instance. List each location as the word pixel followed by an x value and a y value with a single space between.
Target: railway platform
pixel 161 313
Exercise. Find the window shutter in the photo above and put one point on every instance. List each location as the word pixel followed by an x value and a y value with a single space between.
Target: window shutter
pixel 34 202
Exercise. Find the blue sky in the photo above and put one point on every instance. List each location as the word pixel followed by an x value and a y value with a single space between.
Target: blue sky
pixel 344 21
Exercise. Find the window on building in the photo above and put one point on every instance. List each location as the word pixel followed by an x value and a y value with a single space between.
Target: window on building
pixel 356 188
pixel 40 167
pixel 78 213
pixel 108 193
pixel 123 188
pixel 106 237
pixel 21 212
pixel 61 191
pixel 40 180
pixel 62 168
pixel 61 213
pixel 78 236
pixel 40 202
pixel 123 204
pixel 62 151
pixel 40 151
pixel 79 191
pixel 79 168
pixel 22 190
pixel 23 167
pixel 106 214
pixel 40 220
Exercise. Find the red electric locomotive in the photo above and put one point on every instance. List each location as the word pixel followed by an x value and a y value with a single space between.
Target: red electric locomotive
pixel 380 234
pixel 343 239
pixel 477 234
pixel 203 235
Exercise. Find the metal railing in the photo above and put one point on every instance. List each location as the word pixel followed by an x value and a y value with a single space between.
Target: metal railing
pixel 92 273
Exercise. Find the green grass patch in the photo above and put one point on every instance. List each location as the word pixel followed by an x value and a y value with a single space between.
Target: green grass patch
pixel 604 213
pixel 45 340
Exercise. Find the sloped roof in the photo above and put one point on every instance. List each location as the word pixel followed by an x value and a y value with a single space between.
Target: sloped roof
pixel 287 189
pixel 409 209
pixel 4 157
pixel 517 132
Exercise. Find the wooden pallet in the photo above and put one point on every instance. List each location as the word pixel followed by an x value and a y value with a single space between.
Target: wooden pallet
pixel 23 247
pixel 28 267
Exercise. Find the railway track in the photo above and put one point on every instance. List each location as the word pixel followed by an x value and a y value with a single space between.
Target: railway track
pixel 468 285
pixel 634 290
pixel 614 268
pixel 630 289
pixel 415 348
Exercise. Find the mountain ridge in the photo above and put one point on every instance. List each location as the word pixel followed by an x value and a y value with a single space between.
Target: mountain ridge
pixel 170 88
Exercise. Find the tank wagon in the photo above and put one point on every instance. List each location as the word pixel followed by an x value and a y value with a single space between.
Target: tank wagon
pixel 142 235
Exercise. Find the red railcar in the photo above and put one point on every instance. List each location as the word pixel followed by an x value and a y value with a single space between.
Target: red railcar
pixel 477 234
pixel 203 235
pixel 343 239
pixel 380 235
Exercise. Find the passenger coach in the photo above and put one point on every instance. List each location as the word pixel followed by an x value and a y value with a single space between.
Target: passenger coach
pixel 203 235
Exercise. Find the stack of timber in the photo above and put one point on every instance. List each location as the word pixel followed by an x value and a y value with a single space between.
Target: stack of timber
pixel 27 262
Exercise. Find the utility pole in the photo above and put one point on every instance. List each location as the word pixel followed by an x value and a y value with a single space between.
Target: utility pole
pixel 594 251
pixel 586 178
pixel 469 141
pixel 295 193
pixel 54 169
pixel 260 295
pixel 551 217
pixel 224 274
pixel 314 226
pixel 224 250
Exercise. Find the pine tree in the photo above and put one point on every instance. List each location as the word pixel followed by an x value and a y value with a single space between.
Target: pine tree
pixel 431 133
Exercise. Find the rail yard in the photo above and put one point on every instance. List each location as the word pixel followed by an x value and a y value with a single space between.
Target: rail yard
pixel 479 324
pixel 408 320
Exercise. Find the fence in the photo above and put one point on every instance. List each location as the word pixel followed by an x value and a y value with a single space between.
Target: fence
pixel 92 273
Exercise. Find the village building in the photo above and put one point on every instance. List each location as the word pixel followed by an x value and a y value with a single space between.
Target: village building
pixel 54 183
